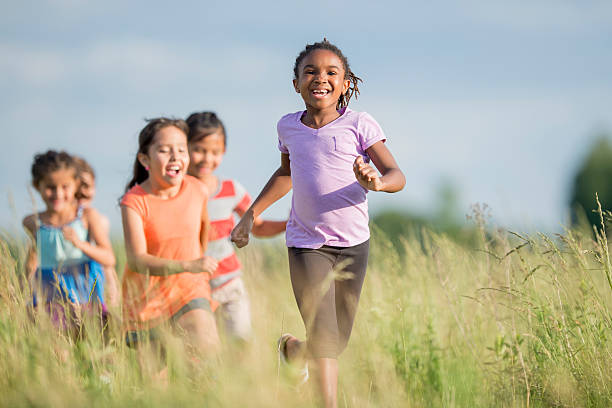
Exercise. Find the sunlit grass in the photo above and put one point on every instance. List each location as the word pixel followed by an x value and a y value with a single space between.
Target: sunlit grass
pixel 515 320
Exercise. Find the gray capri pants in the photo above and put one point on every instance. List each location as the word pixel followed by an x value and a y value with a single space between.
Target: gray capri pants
pixel 326 302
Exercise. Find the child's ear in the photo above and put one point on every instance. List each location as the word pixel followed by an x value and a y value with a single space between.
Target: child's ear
pixel 346 86
pixel 295 86
pixel 143 159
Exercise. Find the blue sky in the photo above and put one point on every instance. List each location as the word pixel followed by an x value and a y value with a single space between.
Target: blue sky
pixel 501 100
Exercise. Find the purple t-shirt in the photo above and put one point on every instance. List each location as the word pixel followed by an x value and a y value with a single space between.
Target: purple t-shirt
pixel 329 206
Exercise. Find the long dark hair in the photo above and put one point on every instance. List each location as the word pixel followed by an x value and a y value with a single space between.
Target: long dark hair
pixel 202 124
pixel 145 140
pixel 353 88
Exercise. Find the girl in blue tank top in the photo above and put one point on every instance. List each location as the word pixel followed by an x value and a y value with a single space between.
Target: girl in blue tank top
pixel 70 247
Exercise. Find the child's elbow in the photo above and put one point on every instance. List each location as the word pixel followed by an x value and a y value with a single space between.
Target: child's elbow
pixel 112 261
pixel 402 183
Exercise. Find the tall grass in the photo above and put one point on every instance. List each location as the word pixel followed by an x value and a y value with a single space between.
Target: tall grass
pixel 518 320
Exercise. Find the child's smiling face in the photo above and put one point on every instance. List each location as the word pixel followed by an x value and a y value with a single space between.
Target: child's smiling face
pixel 58 189
pixel 206 154
pixel 87 189
pixel 167 158
pixel 321 79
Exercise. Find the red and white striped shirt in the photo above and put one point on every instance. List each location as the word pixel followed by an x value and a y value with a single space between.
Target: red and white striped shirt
pixel 229 198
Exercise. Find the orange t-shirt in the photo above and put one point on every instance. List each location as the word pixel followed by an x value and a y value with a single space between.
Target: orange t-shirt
pixel 172 230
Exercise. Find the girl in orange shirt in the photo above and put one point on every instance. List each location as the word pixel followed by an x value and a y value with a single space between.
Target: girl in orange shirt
pixel 165 225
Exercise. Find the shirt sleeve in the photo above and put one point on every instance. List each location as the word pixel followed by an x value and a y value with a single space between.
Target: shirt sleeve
pixel 243 199
pixel 134 201
pixel 281 142
pixel 369 131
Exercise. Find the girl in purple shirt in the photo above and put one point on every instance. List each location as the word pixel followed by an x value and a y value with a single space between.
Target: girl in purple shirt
pixel 325 151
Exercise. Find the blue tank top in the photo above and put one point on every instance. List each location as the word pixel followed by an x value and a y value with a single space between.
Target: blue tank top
pixel 64 271
pixel 54 250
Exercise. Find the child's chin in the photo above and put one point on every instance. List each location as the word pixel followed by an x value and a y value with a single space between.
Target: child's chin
pixel 58 207
pixel 175 179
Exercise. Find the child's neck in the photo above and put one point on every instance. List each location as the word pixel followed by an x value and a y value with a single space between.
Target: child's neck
pixel 315 118
pixel 211 182
pixel 61 217
pixel 162 192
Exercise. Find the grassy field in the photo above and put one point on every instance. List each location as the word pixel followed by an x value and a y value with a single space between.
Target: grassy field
pixel 514 320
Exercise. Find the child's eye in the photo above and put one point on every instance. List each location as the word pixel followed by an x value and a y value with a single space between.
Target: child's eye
pixel 331 73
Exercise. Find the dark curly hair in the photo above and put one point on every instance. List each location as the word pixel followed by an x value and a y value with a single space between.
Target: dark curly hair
pixel 50 161
pixel 145 140
pixel 348 74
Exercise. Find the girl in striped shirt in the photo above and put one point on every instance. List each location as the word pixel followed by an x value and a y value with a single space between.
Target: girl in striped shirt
pixel 207 143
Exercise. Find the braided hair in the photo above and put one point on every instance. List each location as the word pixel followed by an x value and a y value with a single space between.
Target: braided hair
pixel 353 88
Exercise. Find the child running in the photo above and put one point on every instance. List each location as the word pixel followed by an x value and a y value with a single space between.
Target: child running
pixel 325 152
pixel 69 243
pixel 165 225
pixel 85 195
pixel 207 144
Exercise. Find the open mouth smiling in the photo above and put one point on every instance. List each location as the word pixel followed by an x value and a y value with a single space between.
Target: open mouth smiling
pixel 320 92
pixel 173 170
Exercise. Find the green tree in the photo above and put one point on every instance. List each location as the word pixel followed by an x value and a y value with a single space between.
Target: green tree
pixel 594 176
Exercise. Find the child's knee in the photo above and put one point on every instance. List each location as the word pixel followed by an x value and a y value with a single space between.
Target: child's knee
pixel 201 329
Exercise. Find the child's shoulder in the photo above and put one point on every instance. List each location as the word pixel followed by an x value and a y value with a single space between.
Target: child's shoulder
pixel 364 123
pixel 193 184
pixel 290 118
pixel 135 190
pixel 357 116
pixel 91 216
pixel 30 222
pixel 292 115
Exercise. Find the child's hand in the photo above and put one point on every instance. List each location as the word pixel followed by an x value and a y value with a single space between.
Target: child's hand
pixel 205 264
pixel 366 175
pixel 240 234
pixel 71 235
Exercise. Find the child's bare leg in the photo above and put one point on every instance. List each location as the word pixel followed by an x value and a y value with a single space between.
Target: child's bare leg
pixel 201 331
pixel 151 359
pixel 327 376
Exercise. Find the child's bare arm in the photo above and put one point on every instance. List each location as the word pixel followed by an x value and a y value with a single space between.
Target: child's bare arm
pixel 111 286
pixel 101 252
pixel 278 185
pixel 205 228
pixel 265 228
pixel 140 261
pixel 268 228
pixel 392 179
